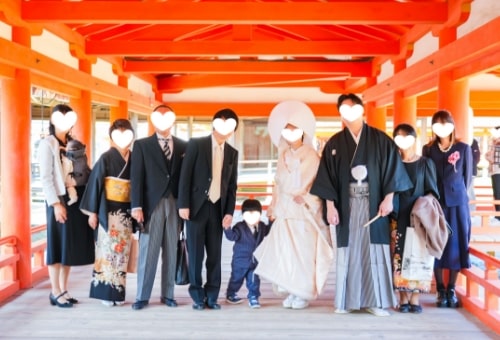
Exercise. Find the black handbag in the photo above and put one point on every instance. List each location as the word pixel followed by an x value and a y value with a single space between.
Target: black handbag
pixel 181 269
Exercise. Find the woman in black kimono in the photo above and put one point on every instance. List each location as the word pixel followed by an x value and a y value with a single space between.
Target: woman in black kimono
pixel 107 203
pixel 422 173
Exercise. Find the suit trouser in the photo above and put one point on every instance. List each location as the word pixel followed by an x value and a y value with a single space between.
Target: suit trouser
pixel 204 233
pixel 495 181
pixel 162 232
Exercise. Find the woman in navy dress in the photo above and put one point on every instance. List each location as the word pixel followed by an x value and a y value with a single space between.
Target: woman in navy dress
pixel 453 160
pixel 422 173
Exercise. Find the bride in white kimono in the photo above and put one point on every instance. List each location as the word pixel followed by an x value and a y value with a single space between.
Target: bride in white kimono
pixel 297 254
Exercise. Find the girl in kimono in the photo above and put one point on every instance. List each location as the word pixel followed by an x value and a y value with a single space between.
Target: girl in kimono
pixel 453 160
pixel 422 172
pixel 297 254
pixel 69 239
pixel 359 173
pixel 107 203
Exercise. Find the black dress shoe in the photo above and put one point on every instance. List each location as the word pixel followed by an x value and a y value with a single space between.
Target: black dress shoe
pixel 169 302
pixel 404 308
pixel 213 305
pixel 54 301
pixel 140 304
pixel 442 299
pixel 198 306
pixel 452 298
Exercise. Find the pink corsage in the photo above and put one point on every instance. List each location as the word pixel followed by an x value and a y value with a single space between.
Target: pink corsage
pixel 453 158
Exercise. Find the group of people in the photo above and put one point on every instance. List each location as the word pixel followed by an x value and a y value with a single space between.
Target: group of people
pixel 364 184
pixel 138 192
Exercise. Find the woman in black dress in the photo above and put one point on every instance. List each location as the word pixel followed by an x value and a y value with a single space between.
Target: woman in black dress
pixel 70 241
pixel 422 173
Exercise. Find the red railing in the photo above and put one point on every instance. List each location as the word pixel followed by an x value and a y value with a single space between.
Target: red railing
pixel 479 289
pixel 9 283
pixel 38 267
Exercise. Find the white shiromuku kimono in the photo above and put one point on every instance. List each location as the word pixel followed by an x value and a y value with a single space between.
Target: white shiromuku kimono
pixel 297 254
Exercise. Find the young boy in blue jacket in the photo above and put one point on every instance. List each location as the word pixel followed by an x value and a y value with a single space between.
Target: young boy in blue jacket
pixel 247 235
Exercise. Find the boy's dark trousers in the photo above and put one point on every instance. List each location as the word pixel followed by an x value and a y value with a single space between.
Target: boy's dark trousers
pixel 238 274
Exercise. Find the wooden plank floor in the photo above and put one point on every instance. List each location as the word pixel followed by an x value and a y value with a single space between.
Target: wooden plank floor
pixel 29 315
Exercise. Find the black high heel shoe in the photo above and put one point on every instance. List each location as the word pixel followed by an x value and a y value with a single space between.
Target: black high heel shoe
pixel 54 302
pixel 71 299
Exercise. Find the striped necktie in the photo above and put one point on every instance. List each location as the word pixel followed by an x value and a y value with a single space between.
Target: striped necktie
pixel 166 147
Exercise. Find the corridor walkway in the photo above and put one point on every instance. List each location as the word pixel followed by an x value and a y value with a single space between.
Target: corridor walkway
pixel 29 315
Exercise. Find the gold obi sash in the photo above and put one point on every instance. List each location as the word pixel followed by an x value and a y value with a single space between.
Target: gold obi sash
pixel 117 189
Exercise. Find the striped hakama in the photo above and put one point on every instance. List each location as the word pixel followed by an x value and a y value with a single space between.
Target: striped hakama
pixel 364 275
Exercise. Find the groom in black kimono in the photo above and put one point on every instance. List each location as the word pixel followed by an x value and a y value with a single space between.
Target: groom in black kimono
pixel 359 173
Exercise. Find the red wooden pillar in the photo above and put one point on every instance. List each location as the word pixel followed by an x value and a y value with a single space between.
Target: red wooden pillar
pixel 120 111
pixel 376 116
pixel 83 107
pixel 15 161
pixel 405 109
pixel 453 95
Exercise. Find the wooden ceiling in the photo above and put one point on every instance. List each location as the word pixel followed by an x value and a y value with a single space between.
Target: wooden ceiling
pixel 176 45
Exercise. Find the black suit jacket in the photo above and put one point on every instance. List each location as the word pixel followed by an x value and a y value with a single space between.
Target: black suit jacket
pixel 151 179
pixel 196 176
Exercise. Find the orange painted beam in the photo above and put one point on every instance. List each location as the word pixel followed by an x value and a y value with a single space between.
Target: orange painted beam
pixel 256 110
pixel 9 12
pixel 187 12
pixel 67 78
pixel 176 84
pixel 335 87
pixel 428 112
pixel 7 71
pixel 458 13
pixel 240 48
pixel 477 44
pixel 100 99
pixel 481 64
pixel 54 85
pixel 479 100
pixel 346 68
pixel 355 85
pixel 207 109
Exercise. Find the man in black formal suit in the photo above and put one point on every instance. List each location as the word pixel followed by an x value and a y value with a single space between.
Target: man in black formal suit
pixel 155 170
pixel 207 198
